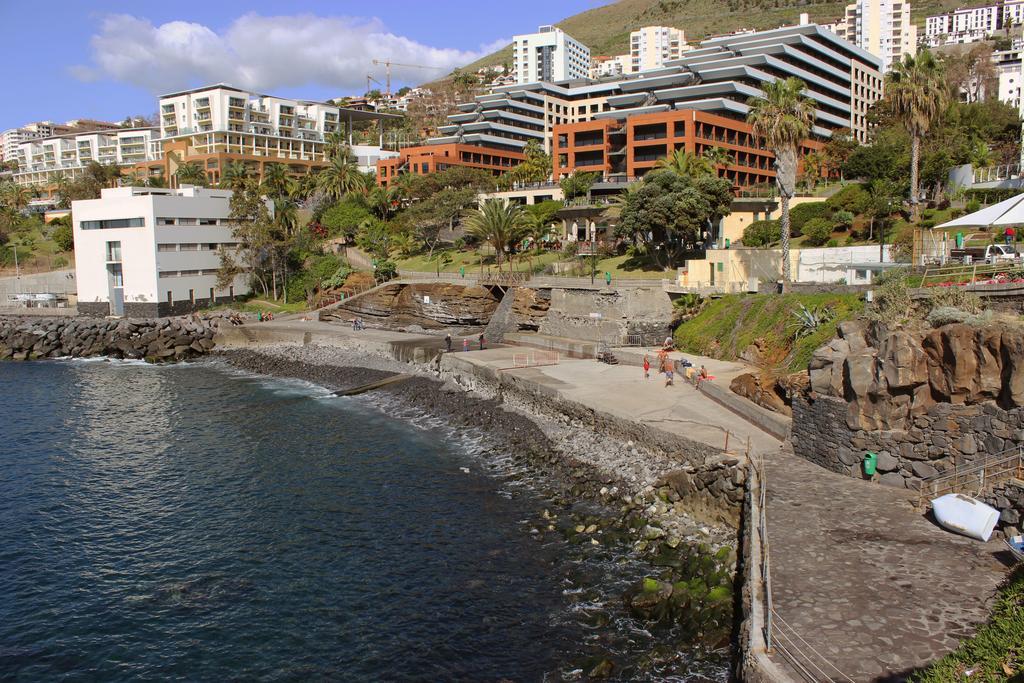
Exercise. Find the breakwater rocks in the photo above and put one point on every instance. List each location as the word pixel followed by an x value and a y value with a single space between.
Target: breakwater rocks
pixel 158 340
pixel 431 306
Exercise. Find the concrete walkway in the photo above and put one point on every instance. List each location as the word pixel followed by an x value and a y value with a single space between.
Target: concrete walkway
pixel 866 580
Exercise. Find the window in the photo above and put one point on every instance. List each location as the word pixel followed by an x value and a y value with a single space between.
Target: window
pixel 212 297
pixel 188 246
pixel 116 275
pixel 207 221
pixel 165 221
pixel 113 252
pixel 113 223
pixel 188 273
pixel 860 274
pixel 170 297
pixel 167 247
pixel 186 221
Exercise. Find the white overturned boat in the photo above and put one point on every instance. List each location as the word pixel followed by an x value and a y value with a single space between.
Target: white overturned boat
pixel 965 515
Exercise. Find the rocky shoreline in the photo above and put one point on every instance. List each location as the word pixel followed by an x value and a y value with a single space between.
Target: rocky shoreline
pixel 603 491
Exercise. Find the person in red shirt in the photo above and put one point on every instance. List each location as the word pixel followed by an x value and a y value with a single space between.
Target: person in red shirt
pixel 1009 235
pixel 647 367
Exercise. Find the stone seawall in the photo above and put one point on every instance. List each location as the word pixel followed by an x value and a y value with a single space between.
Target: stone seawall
pixel 708 483
pixel 156 340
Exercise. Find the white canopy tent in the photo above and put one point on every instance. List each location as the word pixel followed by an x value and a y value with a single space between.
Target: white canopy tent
pixel 1005 213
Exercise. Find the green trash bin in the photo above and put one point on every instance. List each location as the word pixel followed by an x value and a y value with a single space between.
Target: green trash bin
pixel 870 463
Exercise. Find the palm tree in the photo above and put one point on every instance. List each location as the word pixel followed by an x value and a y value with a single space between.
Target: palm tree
pixel 336 145
pixel 813 163
pixel 275 179
pixel 498 223
pixel 718 156
pixel 686 163
pixel 783 118
pixel 234 175
pixel 339 178
pixel 918 94
pixel 16 196
pixel 382 201
pixel 191 173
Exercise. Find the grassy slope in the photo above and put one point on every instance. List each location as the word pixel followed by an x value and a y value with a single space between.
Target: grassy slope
pixel 728 325
pixel 996 652
pixel 605 30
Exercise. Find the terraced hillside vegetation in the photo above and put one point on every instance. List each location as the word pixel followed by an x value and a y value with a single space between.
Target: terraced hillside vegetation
pixel 767 329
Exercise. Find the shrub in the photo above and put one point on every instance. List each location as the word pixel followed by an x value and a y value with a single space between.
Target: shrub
pixel 832 243
pixel 385 271
pixel 818 231
pixel 802 213
pixel 761 233
pixel 959 298
pixel 943 205
pixel 344 218
pixel 843 219
pixel 851 198
pixel 64 237
pixel 973 206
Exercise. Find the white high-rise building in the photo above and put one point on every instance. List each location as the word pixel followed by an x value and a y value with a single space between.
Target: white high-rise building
pixel 603 67
pixel 549 55
pixel 40 160
pixel 882 27
pixel 651 46
pixel 144 252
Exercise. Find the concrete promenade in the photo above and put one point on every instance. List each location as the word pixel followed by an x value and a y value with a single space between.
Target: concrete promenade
pixel 872 587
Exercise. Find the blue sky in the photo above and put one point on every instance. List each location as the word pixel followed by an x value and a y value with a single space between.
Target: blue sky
pixel 108 59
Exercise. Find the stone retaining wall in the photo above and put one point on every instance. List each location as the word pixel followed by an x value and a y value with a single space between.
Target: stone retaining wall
pixel 155 340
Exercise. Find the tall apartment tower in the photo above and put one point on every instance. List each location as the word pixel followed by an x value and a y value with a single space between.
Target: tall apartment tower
pixel 549 55
pixel 882 27
pixel 651 46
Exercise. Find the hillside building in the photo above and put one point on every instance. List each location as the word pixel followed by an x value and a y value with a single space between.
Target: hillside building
pixel 705 90
pixel 11 140
pixel 610 67
pixel 882 27
pixel 972 24
pixel 550 54
pixel 67 155
pixel 651 47
pixel 147 252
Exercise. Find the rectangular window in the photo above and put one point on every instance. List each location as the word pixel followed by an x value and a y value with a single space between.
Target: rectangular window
pixel 188 246
pixel 207 221
pixel 116 275
pixel 186 221
pixel 113 252
pixel 170 297
pixel 212 297
pixel 113 223
pixel 188 273
pixel 164 221
pixel 167 247
pixel 192 296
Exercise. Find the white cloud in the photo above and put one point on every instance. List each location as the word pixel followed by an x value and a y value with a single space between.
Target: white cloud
pixel 262 53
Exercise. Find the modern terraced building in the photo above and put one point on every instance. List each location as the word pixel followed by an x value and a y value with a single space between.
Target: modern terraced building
pixel 622 126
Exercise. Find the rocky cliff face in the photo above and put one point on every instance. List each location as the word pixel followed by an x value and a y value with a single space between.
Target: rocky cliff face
pixel 429 305
pixel 890 378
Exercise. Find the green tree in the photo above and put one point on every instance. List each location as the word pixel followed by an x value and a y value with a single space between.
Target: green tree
pixel 718 157
pixel 339 178
pixel 668 212
pixel 499 224
pixel 259 240
pixel 536 168
pixel 64 237
pixel 235 175
pixel 783 118
pixel 427 218
pixel 577 184
pixel 686 163
pixel 344 218
pixel 818 231
pixel 275 180
pixel 917 95
pixel 191 173
pixel 761 233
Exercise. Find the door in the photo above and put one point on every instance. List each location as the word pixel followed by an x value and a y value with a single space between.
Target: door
pixel 117 301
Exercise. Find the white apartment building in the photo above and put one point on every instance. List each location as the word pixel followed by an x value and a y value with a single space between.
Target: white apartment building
pixel 603 67
pixel 972 24
pixel 549 55
pixel 1008 69
pixel 651 46
pixel 40 159
pixel 10 140
pixel 217 124
pixel 147 252
pixel 882 27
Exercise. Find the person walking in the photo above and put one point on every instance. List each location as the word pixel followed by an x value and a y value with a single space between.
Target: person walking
pixel 647 367
pixel 465 344
pixel 481 341
pixel 1009 234
pixel 448 342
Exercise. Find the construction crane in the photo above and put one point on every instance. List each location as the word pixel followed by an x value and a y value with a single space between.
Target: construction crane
pixel 369 78
pixel 387 68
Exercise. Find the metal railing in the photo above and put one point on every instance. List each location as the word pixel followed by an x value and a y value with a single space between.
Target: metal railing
pixel 533 359
pixel 964 275
pixel 976 478
pixel 500 278
pixel 994 173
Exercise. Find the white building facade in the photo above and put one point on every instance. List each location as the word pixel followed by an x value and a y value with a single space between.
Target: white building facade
pixel 972 24
pixel 148 252
pixel 39 160
pixel 604 67
pixel 651 46
pixel 882 27
pixel 549 55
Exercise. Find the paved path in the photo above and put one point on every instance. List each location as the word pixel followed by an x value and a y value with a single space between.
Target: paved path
pixel 865 579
